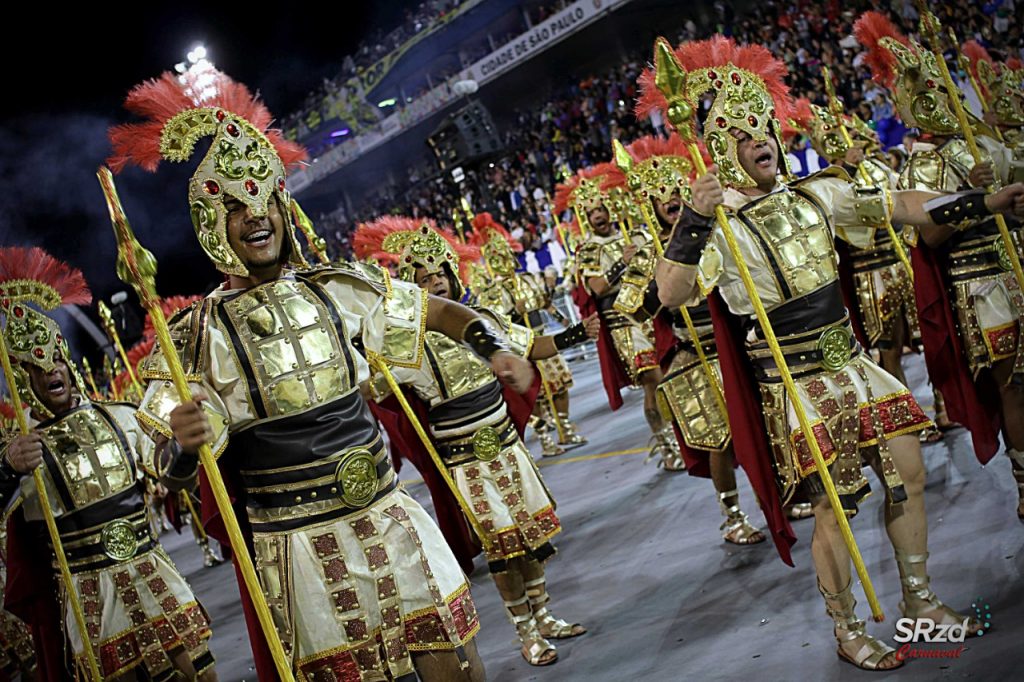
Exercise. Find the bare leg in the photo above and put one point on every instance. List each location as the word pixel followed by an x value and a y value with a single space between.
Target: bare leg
pixel 649 381
pixel 442 666
pixel 536 589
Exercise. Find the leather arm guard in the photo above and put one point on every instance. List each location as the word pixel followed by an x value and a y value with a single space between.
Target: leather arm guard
pixel 615 272
pixel 689 237
pixel 957 208
pixel 570 336
pixel 176 465
pixel 479 336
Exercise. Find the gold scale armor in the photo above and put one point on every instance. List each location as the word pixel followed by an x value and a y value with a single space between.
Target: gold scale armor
pixel 136 604
pixel 634 343
pixel 885 292
pixel 786 238
pixel 280 365
pixel 987 298
pixel 478 442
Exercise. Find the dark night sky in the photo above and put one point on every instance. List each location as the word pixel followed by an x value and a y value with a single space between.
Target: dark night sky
pixel 64 85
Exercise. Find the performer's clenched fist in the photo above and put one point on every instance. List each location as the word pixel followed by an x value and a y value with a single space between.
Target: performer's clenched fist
pixel 593 326
pixel 25 453
pixel 190 426
pixel 707 192
pixel 512 370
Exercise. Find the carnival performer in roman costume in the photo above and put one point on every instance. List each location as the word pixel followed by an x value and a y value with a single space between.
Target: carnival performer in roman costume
pixel 142 619
pixel 784 231
pixel 358 578
pixel 473 428
pixel 523 297
pixel 657 172
pixel 969 298
pixel 1001 90
pixel 628 351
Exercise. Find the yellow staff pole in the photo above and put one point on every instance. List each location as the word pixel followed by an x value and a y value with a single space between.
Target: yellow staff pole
pixel 197 523
pixel 837 110
pixel 670 79
pixel 96 395
pixel 381 365
pixel 317 244
pixel 930 26
pixel 457 221
pixel 137 267
pixel 115 338
pixel 625 162
pixel 965 64
pixel 51 524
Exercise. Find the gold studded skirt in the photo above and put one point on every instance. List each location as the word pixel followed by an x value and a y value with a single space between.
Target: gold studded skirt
pixel 353 597
pixel 512 504
pixel 885 296
pixel 687 396
pixel 634 343
pixel 136 612
pixel 556 373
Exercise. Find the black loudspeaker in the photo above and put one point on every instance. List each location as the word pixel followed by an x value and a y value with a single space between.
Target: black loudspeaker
pixel 465 136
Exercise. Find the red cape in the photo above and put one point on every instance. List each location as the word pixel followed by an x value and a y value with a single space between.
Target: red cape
pixel 406 444
pixel 30 594
pixel 749 437
pixel 973 404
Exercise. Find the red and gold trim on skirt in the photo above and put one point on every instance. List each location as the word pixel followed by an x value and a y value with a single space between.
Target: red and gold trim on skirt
pixel 1002 341
pixel 899 415
pixel 424 631
pixel 514 541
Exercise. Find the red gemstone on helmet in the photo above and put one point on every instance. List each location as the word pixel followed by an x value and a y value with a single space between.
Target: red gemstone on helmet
pixel 280 184
pixel 712 75
pixel 19 312
pixel 930 83
pixel 408 259
pixel 736 78
pixel 251 187
pixel 211 187
pixel 721 122
pixel 220 115
pixel 752 120
pixel 718 84
pixel 38 352
pixel 232 130
pixel 60 339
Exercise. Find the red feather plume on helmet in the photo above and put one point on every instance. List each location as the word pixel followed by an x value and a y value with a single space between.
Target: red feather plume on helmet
pixel 1014 64
pixel 975 54
pixel 719 51
pixel 801 116
pixel 161 99
pixel 368 239
pixel 869 29
pixel 564 191
pixel 483 224
pixel 35 264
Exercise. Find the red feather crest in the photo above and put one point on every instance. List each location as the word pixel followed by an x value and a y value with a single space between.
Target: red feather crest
pixel 870 28
pixel 170 306
pixel 719 51
pixel 161 99
pixel 1014 64
pixel 368 239
pixel 33 263
pixel 975 53
pixel 483 225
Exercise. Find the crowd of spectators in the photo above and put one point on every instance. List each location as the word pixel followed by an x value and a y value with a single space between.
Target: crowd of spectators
pixel 574 129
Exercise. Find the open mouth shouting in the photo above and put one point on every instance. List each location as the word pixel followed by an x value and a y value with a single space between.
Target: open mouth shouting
pixel 765 159
pixel 57 388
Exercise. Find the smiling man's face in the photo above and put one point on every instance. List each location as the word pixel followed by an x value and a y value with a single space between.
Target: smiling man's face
pixel 257 241
pixel 53 388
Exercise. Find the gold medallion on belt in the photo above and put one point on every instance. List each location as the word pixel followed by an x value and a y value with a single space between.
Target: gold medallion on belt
pixel 1002 255
pixel 356 477
pixel 834 346
pixel 486 444
pixel 119 540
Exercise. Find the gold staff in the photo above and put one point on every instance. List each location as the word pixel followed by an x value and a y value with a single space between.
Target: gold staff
pixel 115 338
pixel 317 244
pixel 930 27
pixel 137 267
pixel 670 79
pixel 96 395
pixel 457 221
pixel 625 163
pixel 381 365
pixel 51 524
pixel 836 107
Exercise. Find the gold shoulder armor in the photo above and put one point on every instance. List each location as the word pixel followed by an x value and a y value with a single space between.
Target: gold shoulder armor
pixel 405 313
pixel 829 172
pixel 637 277
pixel 188 329
pixel 373 275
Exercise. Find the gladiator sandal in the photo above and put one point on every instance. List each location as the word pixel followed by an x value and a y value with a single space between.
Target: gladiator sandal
pixel 918 599
pixel 210 558
pixel 799 510
pixel 1017 466
pixel 547 624
pixel 548 446
pixel 536 650
pixel 571 437
pixel 737 528
pixel 848 628
pixel 663 446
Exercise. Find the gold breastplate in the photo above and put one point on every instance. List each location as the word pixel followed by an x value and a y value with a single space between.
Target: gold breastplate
pixel 89 454
pixel 457 368
pixel 794 235
pixel 289 339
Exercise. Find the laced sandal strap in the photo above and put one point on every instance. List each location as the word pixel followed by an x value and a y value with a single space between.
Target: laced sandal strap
pixel 870 655
pixel 840 608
